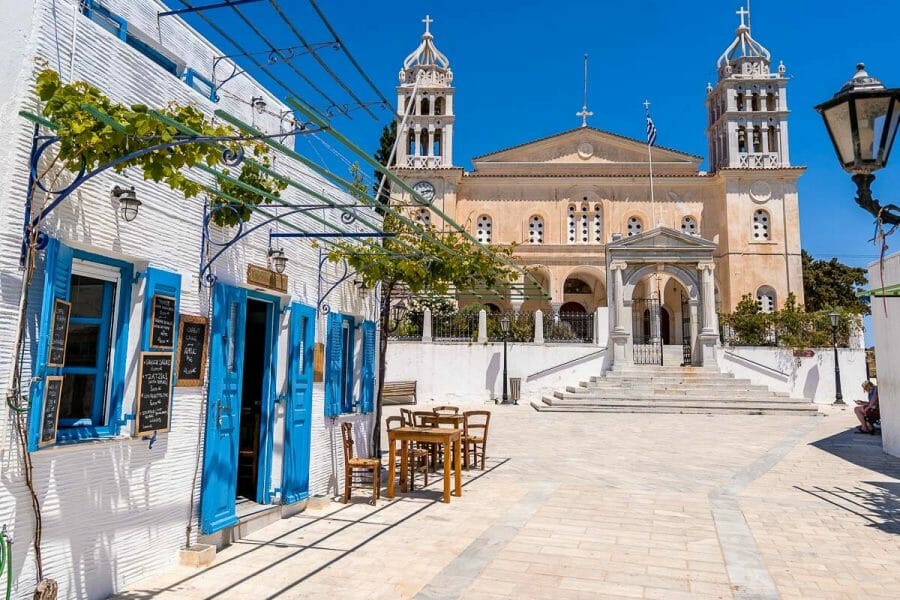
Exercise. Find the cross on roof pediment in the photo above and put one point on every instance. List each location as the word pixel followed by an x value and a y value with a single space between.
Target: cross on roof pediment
pixel 662 238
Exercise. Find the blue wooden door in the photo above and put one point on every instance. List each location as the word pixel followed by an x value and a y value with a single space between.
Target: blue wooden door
pixel 295 479
pixel 219 487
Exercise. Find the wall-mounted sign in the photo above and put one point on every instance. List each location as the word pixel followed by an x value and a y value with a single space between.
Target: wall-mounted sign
pixel 154 393
pixel 162 322
pixel 807 353
pixel 191 350
pixel 50 417
pixel 267 278
pixel 59 334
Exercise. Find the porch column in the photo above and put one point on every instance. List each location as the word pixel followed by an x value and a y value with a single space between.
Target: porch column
pixel 619 336
pixel 709 336
pixel 694 308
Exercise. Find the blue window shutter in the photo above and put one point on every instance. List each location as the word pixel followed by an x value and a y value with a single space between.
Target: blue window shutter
pixel 367 400
pixel 163 283
pixel 57 277
pixel 334 348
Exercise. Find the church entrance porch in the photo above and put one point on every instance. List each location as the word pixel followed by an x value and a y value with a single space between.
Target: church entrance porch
pixel 663 299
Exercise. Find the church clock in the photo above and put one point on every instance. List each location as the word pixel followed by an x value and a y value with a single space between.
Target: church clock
pixel 425 189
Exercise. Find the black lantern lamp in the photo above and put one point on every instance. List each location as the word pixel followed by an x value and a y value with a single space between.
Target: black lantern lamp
pixel 862 122
pixel 129 205
pixel 835 323
pixel 504 325
pixel 277 259
pixel 258 103
pixel 398 311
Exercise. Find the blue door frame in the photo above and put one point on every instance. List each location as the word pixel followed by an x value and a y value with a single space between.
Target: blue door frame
pixel 219 482
pixel 298 408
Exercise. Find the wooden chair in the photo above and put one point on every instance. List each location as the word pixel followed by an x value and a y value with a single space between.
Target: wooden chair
pixel 418 457
pixel 406 416
pixel 446 410
pixel 358 464
pixel 475 435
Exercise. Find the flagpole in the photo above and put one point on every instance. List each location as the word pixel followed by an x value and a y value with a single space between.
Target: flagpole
pixel 650 159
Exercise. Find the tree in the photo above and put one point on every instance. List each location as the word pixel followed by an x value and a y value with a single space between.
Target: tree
pixel 832 284
pixel 382 155
pixel 418 261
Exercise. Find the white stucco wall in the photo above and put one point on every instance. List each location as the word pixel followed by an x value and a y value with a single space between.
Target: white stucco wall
pixel 811 377
pixel 886 330
pixel 115 511
pixel 460 373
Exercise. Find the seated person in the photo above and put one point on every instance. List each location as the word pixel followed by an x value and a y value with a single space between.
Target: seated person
pixel 867 411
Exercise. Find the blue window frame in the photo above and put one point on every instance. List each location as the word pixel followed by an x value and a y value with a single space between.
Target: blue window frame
pixel 339 368
pixel 94 371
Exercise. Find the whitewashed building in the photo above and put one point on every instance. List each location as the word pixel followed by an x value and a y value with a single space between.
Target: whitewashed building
pixel 122 489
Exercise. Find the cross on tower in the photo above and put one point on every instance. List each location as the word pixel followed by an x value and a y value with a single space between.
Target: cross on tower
pixel 428 21
pixel 585 113
pixel 647 106
pixel 743 13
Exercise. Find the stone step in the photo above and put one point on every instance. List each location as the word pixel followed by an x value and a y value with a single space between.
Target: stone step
pixel 745 408
pixel 681 390
pixel 559 397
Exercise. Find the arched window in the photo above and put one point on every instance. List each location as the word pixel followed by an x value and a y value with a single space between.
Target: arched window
pixel 425 107
pixel 598 225
pixel 583 223
pixel 757 140
pixel 765 298
pixel 483 229
pixel 422 216
pixel 754 102
pixel 772 132
pixel 770 101
pixel 570 219
pixel 439 105
pixel 760 225
pixel 742 139
pixel 689 225
pixel 436 144
pixel 535 230
pixel 411 143
pixel 739 100
pixel 423 142
pixel 575 285
pixel 492 308
pixel 635 226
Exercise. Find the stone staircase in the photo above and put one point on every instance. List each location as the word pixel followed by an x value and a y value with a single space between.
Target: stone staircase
pixel 672 389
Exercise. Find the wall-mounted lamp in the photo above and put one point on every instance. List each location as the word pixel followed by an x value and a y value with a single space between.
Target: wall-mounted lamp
pixel 129 205
pixel 277 259
pixel 360 284
pixel 258 104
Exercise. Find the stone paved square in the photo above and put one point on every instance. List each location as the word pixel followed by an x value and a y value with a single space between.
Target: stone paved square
pixel 599 506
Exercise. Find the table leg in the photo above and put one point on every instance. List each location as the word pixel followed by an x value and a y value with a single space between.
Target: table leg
pixel 447 471
pixel 457 467
pixel 392 457
pixel 404 464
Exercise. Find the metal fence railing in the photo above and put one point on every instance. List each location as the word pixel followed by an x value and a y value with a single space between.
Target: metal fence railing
pixel 521 327
pixel 455 327
pixel 576 328
pixel 409 329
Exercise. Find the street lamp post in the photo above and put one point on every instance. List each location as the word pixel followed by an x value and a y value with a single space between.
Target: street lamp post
pixel 504 325
pixel 862 121
pixel 835 321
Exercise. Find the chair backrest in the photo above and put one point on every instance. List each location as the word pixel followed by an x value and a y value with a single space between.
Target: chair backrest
pixel 446 410
pixel 393 423
pixel 406 416
pixel 347 436
pixel 449 421
pixel 423 418
pixel 476 422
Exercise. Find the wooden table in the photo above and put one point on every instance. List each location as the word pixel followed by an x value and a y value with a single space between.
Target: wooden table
pixel 426 435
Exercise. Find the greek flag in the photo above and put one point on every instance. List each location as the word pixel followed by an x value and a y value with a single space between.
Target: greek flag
pixel 651 131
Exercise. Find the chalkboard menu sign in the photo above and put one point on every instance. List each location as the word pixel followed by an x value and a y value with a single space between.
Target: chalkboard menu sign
pixel 154 392
pixel 50 417
pixel 59 333
pixel 162 322
pixel 191 350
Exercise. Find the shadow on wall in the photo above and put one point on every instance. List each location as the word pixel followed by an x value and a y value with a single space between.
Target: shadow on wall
pixel 812 383
pixel 492 373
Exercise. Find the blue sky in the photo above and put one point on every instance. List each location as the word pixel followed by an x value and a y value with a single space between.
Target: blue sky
pixel 518 73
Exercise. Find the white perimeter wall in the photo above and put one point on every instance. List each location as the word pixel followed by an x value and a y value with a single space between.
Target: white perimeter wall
pixel 807 377
pixel 472 373
pixel 886 329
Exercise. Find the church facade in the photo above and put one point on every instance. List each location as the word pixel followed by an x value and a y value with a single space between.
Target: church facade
pixel 603 222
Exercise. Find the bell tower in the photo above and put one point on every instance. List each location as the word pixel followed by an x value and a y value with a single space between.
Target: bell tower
pixel 426 94
pixel 747 108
